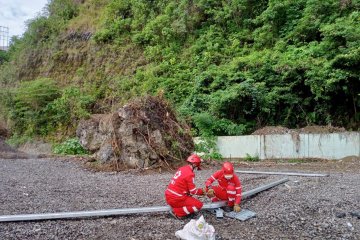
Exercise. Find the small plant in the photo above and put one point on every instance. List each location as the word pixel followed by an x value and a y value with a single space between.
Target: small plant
pixel 208 148
pixel 250 158
pixel 71 146
pixel 296 161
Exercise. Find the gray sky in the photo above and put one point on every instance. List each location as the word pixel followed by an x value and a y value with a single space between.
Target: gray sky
pixel 14 13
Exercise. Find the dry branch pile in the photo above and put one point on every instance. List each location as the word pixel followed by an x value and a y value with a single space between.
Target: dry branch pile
pixel 141 134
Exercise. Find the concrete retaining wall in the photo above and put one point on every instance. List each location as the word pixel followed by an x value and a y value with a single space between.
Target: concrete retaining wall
pixel 326 146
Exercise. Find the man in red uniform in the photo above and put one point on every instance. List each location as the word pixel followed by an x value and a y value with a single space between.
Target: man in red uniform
pixel 229 188
pixel 181 187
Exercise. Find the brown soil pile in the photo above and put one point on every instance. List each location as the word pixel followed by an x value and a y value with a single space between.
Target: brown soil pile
pixel 5 147
pixel 308 129
pixel 7 152
pixel 3 131
pixel 321 129
pixel 272 130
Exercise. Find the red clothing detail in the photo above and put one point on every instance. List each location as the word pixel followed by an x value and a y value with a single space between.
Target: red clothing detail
pixel 183 206
pixel 225 184
pixel 183 182
pixel 222 194
pixel 178 191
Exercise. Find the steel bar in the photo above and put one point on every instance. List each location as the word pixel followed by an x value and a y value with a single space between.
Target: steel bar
pixel 123 211
pixel 285 173
pixel 263 188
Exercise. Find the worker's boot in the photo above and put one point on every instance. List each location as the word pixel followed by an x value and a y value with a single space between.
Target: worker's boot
pixel 192 216
pixel 172 214
pixel 189 216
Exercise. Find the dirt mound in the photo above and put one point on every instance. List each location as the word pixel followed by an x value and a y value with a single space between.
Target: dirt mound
pixel 4 133
pixel 308 129
pixel 321 129
pixel 272 130
pixel 5 147
pixel 144 133
pixel 7 152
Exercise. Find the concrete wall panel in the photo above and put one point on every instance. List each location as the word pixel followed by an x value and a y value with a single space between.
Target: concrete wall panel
pixel 239 146
pixel 283 146
pixel 326 146
pixel 334 145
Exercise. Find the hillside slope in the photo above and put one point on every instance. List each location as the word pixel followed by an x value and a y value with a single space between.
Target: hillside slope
pixel 228 67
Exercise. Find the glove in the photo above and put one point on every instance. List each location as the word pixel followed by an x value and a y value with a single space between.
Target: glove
pixel 237 208
pixel 210 193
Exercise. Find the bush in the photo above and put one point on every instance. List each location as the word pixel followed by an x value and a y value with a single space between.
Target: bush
pixel 229 66
pixel 69 108
pixel 4 56
pixel 71 146
pixel 17 140
pixel 39 107
pixel 27 104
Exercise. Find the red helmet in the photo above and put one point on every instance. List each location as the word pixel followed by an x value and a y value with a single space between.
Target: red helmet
pixel 195 159
pixel 228 169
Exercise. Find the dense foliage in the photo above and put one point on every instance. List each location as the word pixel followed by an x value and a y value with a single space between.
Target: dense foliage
pixel 4 56
pixel 228 66
pixel 235 65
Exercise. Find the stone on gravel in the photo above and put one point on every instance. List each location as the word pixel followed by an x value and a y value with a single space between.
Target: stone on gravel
pixel 355 214
pixel 340 215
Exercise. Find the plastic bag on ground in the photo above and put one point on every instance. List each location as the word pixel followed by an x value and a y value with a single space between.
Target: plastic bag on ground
pixel 197 230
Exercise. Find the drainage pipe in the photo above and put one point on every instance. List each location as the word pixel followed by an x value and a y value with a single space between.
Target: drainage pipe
pixel 123 211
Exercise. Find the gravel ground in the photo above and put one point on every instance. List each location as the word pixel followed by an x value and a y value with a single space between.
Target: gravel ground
pixel 304 208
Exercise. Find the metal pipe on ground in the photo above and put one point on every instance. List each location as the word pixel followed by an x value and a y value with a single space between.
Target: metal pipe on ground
pixel 285 173
pixel 123 211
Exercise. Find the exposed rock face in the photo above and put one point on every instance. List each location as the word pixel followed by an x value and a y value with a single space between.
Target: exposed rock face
pixel 141 134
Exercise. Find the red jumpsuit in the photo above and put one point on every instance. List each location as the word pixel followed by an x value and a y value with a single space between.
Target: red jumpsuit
pixel 178 193
pixel 228 189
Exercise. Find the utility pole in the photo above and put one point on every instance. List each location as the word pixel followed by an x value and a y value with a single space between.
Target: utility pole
pixel 4 38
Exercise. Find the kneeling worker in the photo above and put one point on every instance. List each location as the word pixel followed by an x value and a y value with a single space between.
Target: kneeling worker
pixel 229 188
pixel 179 191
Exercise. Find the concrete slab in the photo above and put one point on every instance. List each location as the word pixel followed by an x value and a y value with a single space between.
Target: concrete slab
pixel 243 215
pixel 219 213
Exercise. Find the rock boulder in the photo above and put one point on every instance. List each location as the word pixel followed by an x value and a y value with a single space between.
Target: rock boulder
pixel 141 134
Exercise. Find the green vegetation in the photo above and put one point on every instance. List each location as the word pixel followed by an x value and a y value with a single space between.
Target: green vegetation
pixel 4 57
pixel 228 67
pixel 27 106
pixel 16 140
pixel 250 158
pixel 71 146
pixel 39 107
pixel 207 147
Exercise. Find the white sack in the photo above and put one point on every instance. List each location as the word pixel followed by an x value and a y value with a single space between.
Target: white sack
pixel 197 230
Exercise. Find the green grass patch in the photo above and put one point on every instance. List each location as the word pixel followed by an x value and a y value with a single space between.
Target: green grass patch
pixel 71 146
